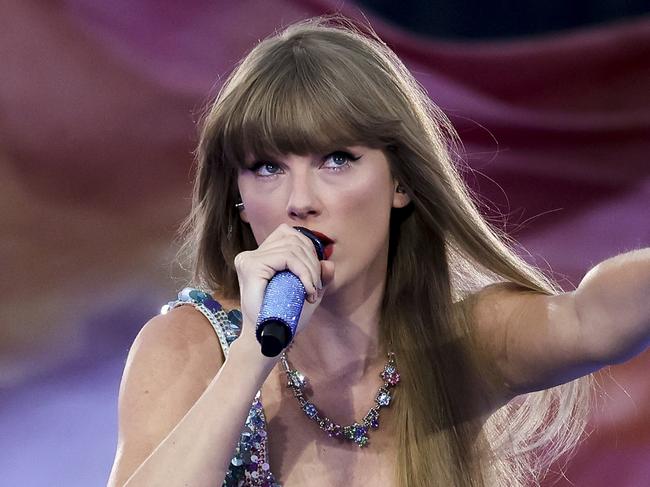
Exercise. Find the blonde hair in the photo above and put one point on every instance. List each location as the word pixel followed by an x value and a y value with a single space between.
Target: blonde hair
pixel 325 83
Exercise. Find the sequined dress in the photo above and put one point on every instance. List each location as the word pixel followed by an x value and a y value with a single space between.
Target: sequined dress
pixel 250 464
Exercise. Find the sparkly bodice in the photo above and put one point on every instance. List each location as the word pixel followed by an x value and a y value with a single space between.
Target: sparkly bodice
pixel 249 465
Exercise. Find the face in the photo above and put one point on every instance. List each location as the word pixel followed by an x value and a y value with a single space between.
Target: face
pixel 346 195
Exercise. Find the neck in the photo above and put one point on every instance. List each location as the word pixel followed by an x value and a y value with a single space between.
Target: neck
pixel 342 339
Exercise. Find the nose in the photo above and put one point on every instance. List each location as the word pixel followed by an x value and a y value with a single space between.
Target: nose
pixel 303 200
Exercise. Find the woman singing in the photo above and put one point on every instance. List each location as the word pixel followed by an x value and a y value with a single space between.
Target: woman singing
pixel 427 352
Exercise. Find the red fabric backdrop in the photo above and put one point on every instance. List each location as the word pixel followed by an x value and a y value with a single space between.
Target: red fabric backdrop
pixel 98 104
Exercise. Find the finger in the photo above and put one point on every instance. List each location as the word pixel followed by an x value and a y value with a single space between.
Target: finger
pixel 280 233
pixel 302 244
pixel 312 260
pixel 288 238
pixel 303 268
pixel 301 237
pixel 294 260
pixel 309 244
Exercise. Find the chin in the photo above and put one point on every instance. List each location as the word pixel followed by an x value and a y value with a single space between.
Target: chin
pixel 342 281
pixel 333 287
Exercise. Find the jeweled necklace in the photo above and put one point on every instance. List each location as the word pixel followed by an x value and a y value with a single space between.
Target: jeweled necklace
pixel 357 432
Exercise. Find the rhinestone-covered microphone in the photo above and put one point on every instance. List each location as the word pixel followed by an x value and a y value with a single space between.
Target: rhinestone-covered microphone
pixel 283 300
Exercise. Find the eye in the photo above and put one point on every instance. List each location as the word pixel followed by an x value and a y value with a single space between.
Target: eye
pixel 340 160
pixel 265 168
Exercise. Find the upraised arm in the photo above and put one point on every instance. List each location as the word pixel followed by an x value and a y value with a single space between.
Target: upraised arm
pixel 537 341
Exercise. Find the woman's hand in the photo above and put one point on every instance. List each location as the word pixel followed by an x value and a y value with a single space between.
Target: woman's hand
pixel 284 249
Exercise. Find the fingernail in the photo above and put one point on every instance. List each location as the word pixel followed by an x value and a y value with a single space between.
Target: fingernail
pixel 319 285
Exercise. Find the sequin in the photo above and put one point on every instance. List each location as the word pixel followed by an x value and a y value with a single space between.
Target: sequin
pixel 197 295
pixel 383 398
pixel 390 375
pixel 283 300
pixel 298 379
pixel 357 433
pixel 372 418
pixel 310 409
pixel 235 317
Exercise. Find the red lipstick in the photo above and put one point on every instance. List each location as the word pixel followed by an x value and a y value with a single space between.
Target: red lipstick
pixel 328 243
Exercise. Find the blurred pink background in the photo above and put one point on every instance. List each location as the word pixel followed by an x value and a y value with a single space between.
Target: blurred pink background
pixel 98 110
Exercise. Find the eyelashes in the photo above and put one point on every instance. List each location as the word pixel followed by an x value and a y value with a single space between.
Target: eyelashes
pixel 255 168
pixel 349 158
pixel 272 168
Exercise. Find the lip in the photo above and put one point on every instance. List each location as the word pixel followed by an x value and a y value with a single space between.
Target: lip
pixel 328 243
pixel 323 238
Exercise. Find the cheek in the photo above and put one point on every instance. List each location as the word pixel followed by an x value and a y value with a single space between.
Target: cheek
pixel 366 212
pixel 259 215
pixel 370 199
pixel 260 211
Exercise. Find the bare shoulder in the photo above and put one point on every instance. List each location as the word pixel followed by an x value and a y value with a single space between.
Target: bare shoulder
pixel 180 344
pixel 171 362
pixel 532 340
pixel 486 311
pixel 490 308
pixel 497 298
pixel 185 328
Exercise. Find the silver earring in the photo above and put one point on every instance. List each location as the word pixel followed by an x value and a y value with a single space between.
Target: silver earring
pixel 399 189
pixel 239 206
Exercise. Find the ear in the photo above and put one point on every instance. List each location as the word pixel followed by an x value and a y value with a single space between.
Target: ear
pixel 243 217
pixel 400 196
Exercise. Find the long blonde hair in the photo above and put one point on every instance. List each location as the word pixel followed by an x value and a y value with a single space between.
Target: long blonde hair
pixel 325 83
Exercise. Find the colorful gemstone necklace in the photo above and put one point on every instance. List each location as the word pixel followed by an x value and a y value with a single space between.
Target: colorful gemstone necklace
pixel 357 432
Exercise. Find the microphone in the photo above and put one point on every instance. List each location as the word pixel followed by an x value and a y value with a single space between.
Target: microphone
pixel 283 300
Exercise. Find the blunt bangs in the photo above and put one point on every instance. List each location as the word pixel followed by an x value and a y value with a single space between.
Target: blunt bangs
pixel 303 102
